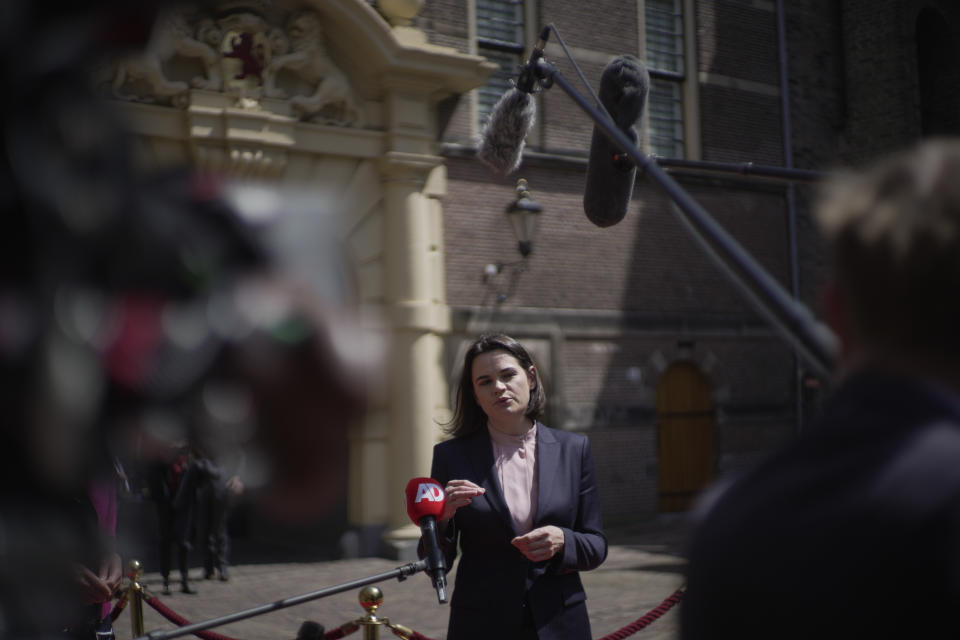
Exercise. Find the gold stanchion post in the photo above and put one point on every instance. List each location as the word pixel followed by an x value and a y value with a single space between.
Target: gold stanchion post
pixel 135 598
pixel 370 599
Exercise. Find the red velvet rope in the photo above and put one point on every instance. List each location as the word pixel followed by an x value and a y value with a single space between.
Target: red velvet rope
pixel 180 621
pixel 630 629
pixel 350 627
pixel 647 618
pixel 118 607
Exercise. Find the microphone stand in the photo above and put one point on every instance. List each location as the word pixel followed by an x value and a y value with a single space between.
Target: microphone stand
pixel 813 340
pixel 400 573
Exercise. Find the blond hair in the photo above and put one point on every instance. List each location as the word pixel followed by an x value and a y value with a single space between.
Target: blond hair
pixel 893 234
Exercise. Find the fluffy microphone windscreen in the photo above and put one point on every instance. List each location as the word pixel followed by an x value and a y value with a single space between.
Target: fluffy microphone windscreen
pixel 610 173
pixel 502 140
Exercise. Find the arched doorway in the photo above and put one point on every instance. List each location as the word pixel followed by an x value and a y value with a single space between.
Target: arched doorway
pixel 685 435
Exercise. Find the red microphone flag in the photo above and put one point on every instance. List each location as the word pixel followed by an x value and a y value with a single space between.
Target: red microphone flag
pixel 424 497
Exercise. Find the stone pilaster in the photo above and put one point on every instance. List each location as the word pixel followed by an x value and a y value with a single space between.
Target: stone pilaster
pixel 417 316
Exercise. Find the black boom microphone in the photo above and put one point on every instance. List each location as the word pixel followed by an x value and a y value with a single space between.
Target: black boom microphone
pixel 510 120
pixel 610 172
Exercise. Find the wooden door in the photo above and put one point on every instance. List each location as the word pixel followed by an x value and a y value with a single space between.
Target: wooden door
pixel 685 434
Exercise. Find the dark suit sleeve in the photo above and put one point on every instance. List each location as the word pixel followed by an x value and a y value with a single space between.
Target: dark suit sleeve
pixel 584 545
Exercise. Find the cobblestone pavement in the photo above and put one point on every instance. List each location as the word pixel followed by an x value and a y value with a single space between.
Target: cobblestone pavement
pixel 644 566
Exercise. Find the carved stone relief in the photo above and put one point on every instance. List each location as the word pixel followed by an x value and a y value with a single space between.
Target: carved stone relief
pixel 243 53
pixel 143 76
pixel 329 95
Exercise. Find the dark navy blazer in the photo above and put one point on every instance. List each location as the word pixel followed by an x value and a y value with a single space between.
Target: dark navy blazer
pixel 851 531
pixel 495 582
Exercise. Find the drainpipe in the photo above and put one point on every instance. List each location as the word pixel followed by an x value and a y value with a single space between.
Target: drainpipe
pixel 791 194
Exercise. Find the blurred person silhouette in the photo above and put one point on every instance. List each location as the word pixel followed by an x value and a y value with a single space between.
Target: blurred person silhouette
pixel 99 582
pixel 66 185
pixel 216 499
pixel 853 529
pixel 226 459
pixel 102 267
pixel 178 482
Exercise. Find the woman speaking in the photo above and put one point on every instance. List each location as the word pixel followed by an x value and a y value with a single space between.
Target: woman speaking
pixel 521 504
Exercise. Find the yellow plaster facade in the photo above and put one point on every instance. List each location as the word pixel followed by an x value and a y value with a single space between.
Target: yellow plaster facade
pixel 382 169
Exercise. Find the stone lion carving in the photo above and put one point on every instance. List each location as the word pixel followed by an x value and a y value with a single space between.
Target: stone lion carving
pixel 172 36
pixel 309 61
pixel 209 33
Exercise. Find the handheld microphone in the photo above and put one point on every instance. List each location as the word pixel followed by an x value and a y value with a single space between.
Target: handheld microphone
pixel 510 120
pixel 624 85
pixel 425 500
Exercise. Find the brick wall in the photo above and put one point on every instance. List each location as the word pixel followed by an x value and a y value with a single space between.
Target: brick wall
pixel 646 264
pixel 596 32
pixel 738 39
pixel 880 79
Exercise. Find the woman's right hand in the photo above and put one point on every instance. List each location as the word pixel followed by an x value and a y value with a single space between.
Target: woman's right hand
pixel 460 493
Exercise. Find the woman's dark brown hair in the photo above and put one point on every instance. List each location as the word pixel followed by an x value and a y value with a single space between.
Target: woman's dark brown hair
pixel 468 417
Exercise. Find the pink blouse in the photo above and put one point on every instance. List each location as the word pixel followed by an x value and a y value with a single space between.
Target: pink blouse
pixel 516 460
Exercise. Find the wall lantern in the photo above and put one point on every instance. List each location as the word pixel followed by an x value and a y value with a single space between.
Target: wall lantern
pixel 524 214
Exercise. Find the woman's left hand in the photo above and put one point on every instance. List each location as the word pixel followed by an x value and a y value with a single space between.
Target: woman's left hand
pixel 540 544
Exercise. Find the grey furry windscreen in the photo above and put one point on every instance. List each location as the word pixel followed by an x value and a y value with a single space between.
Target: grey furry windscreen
pixel 502 140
